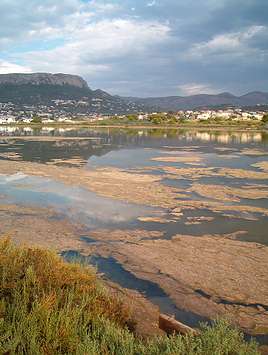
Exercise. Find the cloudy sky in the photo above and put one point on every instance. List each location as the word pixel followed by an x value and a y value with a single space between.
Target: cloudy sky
pixel 142 47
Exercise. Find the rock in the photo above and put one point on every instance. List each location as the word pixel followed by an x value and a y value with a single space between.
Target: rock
pixel 43 78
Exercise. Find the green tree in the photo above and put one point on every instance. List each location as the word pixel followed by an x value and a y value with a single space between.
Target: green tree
pixel 132 117
pixel 36 119
pixel 265 118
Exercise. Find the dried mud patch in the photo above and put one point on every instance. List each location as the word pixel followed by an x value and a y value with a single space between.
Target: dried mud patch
pixel 243 174
pixel 123 235
pixel 191 159
pixel 109 182
pixel 229 194
pixel 75 161
pixel 263 165
pixel 253 152
pixel 38 226
pixel 208 275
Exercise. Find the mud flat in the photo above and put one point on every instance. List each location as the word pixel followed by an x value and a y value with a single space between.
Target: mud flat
pixel 253 152
pixel 190 159
pixel 50 230
pixel 109 182
pixel 208 275
pixel 229 194
pixel 147 189
pixel 197 173
pixel 38 226
pixel 263 165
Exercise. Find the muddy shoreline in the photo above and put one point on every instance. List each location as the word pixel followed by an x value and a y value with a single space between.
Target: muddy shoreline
pixel 207 274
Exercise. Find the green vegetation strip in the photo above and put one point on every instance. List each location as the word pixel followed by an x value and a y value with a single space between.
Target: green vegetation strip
pixel 48 306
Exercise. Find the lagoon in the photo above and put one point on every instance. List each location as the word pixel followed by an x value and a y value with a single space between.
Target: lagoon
pixel 156 202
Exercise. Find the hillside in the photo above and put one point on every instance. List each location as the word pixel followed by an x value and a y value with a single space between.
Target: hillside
pixel 45 89
pixel 175 103
pixel 51 307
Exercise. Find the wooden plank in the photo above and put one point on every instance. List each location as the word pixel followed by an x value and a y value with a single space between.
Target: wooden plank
pixel 171 326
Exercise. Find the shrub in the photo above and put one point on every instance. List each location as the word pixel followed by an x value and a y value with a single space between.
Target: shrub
pixel 265 118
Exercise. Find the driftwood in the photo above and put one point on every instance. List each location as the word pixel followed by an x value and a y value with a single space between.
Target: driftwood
pixel 171 325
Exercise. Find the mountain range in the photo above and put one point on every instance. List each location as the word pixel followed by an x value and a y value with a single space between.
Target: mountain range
pixel 45 88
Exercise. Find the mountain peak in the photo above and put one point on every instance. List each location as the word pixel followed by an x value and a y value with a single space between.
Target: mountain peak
pixel 226 94
pixel 43 79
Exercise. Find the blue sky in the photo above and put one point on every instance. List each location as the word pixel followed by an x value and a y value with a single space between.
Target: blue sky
pixel 140 48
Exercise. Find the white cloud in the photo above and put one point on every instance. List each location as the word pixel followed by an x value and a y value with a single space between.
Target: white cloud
pixel 151 3
pixel 7 67
pixel 91 48
pixel 101 7
pixel 196 88
pixel 229 44
pixel 20 20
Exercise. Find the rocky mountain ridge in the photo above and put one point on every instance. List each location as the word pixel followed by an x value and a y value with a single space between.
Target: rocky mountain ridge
pixel 45 88
pixel 43 79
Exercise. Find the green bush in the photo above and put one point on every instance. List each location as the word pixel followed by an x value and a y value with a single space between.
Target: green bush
pixel 36 119
pixel 48 306
pixel 265 118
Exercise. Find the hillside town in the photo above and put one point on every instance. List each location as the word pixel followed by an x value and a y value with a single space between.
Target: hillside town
pixel 61 112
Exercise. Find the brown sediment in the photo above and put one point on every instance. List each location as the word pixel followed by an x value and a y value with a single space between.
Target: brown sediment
pixel 144 189
pixel 75 161
pixel 263 165
pixel 242 174
pixel 197 173
pixel 208 275
pixel 187 173
pixel 215 206
pixel 11 156
pixel 38 226
pixel 229 194
pixel 253 152
pixel 156 219
pixel 191 159
pixel 124 235
pixel 109 182
pixel 144 313
pixel 60 235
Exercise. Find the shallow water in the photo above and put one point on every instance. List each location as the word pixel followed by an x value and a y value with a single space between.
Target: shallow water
pixel 135 149
pixel 140 151
pixel 80 205
pixel 115 272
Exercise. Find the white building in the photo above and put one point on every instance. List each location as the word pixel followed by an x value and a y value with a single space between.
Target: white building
pixel 204 115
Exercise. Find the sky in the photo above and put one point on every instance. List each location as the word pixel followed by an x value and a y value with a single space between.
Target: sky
pixel 140 48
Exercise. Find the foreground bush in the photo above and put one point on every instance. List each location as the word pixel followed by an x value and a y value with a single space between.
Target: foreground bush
pixel 50 307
